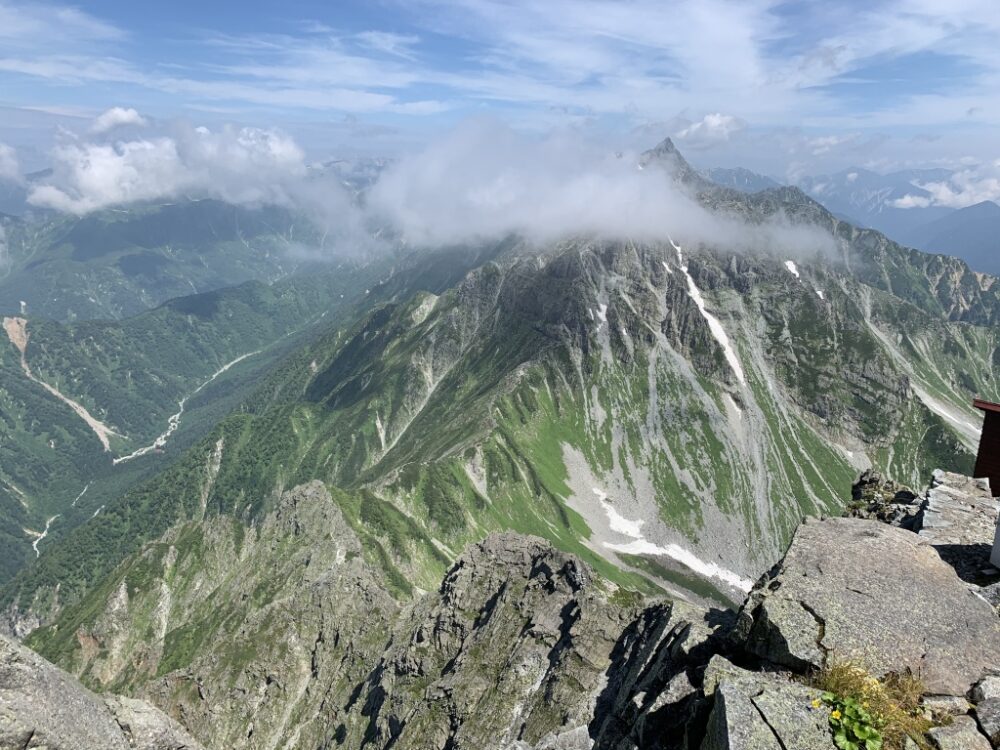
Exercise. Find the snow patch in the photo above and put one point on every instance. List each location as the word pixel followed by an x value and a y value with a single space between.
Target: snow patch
pixel 641 546
pixel 732 403
pixel 792 269
pixel 714 326
pixel 686 558
pixel 616 521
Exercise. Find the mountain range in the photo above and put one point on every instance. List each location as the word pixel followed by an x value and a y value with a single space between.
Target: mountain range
pixel 667 413
pixel 869 199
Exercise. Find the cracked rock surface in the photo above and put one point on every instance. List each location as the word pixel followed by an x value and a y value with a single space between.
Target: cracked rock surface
pixel 849 589
pixel 756 711
pixel 43 707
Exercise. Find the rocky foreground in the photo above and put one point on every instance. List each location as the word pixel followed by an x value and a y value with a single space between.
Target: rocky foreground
pixel 523 647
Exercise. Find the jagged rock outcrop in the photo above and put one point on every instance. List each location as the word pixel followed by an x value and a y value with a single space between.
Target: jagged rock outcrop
pixel 754 711
pixel 282 670
pixel 881 499
pixel 958 517
pixel 42 706
pixel 522 647
pixel 853 589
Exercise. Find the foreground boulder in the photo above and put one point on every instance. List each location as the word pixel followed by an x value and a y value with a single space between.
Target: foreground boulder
pixel 759 711
pixel 43 707
pixel 850 589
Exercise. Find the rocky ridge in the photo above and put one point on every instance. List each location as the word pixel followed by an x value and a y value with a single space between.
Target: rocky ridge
pixel 43 707
pixel 525 647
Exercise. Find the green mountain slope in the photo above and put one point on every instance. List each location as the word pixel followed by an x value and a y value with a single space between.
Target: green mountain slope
pixel 582 396
pixel 118 262
pixel 159 381
pixel 131 377
pixel 667 413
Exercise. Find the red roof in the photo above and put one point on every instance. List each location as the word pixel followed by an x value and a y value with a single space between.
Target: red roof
pixel 986 405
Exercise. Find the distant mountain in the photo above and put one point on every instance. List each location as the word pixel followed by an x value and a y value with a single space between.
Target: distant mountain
pixel 120 262
pixel 647 406
pixel 14 194
pixel 357 174
pixel 972 234
pixel 665 413
pixel 87 408
pixel 741 179
pixel 867 198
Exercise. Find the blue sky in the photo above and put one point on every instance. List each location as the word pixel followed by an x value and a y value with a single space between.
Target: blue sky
pixel 782 87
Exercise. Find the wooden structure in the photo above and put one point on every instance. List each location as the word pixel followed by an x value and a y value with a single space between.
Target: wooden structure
pixel 988 459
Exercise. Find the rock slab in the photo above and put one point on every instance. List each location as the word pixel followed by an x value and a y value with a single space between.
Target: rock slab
pixel 853 590
pixel 755 711
pixel 43 707
pixel 961 734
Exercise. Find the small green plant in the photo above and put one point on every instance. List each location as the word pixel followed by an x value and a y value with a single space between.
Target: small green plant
pixel 867 713
pixel 853 727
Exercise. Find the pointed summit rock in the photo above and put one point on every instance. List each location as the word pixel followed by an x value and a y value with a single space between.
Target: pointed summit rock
pixel 666 155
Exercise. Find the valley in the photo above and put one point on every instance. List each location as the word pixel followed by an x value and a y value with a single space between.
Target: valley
pixel 16 329
pixel 191 486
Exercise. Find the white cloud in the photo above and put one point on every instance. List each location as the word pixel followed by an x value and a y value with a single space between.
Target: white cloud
pixel 10 168
pixel 237 165
pixel 963 188
pixel 911 201
pixel 711 130
pixel 400 45
pixel 117 117
pixel 4 257
pixel 23 25
pixel 644 58
pixel 481 182
pixel 485 181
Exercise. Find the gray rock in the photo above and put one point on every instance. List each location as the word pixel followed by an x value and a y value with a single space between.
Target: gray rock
pixel 43 707
pixel 148 728
pixel 988 716
pixel 754 711
pixel 987 689
pixel 991 593
pixel 961 734
pixel 854 590
pixel 959 518
pixel 946 705
pixel 515 647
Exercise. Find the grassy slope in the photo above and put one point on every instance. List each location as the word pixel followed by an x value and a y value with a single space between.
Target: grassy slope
pixel 396 409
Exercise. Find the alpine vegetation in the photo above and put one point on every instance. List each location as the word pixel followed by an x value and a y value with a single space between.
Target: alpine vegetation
pixel 390 378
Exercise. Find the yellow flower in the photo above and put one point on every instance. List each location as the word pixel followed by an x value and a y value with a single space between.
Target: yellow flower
pixel 835 714
pixel 816 703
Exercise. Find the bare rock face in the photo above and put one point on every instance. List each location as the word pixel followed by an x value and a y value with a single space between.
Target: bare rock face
pixel 511 652
pixel 523 648
pixel 755 711
pixel 961 734
pixel 43 707
pixel 850 589
pixel 959 516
